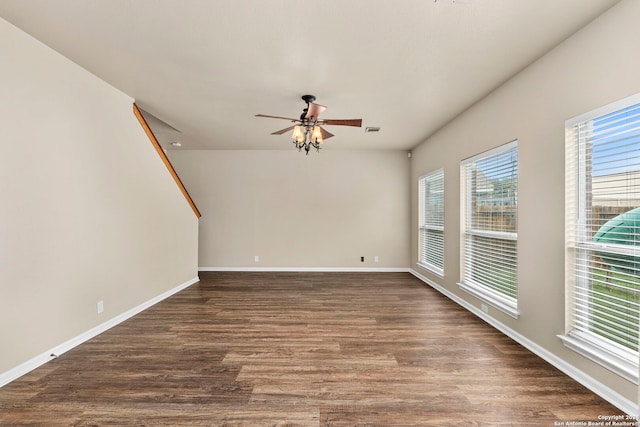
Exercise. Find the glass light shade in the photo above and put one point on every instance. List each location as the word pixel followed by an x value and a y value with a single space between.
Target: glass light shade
pixel 317 135
pixel 297 133
pixel 302 136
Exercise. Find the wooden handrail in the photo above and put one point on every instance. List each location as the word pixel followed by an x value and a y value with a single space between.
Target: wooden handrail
pixel 165 159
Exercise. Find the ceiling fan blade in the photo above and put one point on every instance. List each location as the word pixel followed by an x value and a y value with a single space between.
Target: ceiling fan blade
pixel 325 134
pixel 339 122
pixel 314 110
pixel 281 131
pixel 276 117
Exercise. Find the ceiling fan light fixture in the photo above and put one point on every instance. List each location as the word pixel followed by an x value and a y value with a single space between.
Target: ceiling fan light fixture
pixel 307 130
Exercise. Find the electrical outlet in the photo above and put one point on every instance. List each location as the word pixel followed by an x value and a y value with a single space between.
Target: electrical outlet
pixel 484 308
pixel 100 307
pixel 361 259
pixel 256 258
pixel 376 259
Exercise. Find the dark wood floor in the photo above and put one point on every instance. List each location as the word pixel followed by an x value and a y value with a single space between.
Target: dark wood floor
pixel 305 349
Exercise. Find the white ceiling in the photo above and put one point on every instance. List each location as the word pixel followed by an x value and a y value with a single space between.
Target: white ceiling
pixel 206 67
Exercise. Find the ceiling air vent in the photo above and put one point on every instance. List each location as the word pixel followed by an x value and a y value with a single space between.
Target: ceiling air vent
pixel 372 129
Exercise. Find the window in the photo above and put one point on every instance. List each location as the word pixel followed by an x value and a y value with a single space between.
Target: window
pixel 489 261
pixel 603 235
pixel 431 240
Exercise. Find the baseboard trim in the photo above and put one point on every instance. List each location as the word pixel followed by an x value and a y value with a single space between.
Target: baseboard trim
pixel 589 382
pixel 309 269
pixel 30 365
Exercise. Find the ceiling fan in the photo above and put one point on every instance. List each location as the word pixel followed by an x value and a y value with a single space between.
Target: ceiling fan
pixel 307 130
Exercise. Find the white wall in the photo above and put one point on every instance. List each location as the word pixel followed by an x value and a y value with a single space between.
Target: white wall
pixel 325 210
pixel 596 66
pixel 88 210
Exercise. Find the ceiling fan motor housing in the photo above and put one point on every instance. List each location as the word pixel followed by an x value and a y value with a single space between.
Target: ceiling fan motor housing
pixel 308 98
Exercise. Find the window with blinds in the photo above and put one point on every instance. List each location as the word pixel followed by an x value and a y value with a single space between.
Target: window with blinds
pixel 490 227
pixel 603 234
pixel 431 239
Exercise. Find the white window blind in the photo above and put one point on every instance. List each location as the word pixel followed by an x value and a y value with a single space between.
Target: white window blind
pixel 490 227
pixel 603 231
pixel 431 239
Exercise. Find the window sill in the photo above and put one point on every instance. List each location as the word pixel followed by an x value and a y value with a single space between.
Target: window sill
pixel 432 269
pixel 494 299
pixel 602 354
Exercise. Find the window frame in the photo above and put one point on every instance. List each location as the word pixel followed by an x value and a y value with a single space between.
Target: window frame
pixel 578 190
pixel 498 300
pixel 426 226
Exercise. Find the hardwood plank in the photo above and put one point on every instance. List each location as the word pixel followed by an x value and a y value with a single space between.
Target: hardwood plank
pixel 304 349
